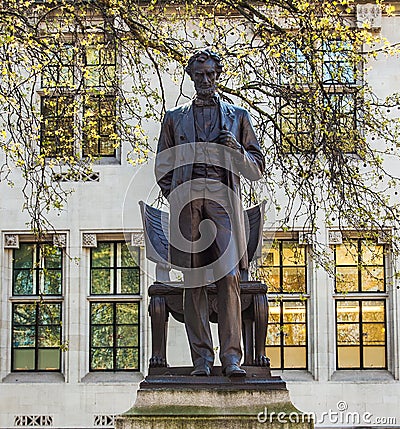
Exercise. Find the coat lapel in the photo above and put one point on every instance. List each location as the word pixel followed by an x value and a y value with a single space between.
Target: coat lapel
pixel 188 123
pixel 227 116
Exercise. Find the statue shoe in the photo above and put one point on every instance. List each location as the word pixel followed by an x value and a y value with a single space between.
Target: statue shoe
pixel 234 370
pixel 201 370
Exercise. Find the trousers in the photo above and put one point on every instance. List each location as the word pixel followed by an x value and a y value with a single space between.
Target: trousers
pixel 224 255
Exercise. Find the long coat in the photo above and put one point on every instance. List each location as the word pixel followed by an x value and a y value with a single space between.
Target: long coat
pixel 176 154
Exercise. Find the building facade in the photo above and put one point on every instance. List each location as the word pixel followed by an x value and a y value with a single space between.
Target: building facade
pixel 74 324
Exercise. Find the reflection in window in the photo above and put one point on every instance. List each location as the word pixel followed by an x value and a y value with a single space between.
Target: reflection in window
pixel 295 67
pixel 283 267
pixel 287 335
pixel 296 127
pixel 114 336
pixel 57 126
pixel 58 67
pixel 37 270
pixel 338 67
pixel 99 136
pixel 360 266
pixel 114 269
pixel 36 336
pixel 100 63
pixel 361 334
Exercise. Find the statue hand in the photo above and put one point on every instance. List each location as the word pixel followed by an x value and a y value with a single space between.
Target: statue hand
pixel 228 139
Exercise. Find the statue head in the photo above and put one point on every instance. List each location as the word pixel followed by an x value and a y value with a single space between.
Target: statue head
pixel 204 68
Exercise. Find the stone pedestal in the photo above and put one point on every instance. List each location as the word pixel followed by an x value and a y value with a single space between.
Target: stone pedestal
pixel 170 399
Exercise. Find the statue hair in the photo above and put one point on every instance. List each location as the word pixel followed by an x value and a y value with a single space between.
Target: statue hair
pixel 202 56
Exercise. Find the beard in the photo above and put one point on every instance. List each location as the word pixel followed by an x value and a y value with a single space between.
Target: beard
pixel 206 92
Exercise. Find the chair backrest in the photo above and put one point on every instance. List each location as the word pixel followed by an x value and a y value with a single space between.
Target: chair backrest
pixel 156 234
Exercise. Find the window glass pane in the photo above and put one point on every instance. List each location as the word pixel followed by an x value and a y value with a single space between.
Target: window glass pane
pixel 271 277
pixel 274 353
pixel 102 336
pixel 274 311
pixel 273 335
pixel 129 255
pixel 292 253
pixel 374 334
pixel 49 359
pixel 348 357
pixel 127 359
pixel 24 314
pixel 374 357
pixel 294 280
pixel 294 335
pixel 372 279
pixel 127 335
pixel 92 55
pixel 372 254
pixel 52 282
pixel 102 313
pixel 347 279
pixel 270 254
pixel 348 311
pixel 348 333
pixel 52 256
pixel 24 336
pixel 24 359
pixel 373 311
pixel 295 357
pixel 101 281
pixel 106 146
pixel 130 280
pixel 127 313
pixel 102 359
pixel 50 314
pixel 294 312
pixel 337 66
pixel 23 282
pixel 49 336
pixel 103 255
pixel 347 253
pixel 23 257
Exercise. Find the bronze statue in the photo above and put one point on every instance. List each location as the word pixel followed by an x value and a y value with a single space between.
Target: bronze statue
pixel 204 147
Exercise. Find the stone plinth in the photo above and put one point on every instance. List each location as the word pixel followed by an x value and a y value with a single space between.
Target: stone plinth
pixel 171 400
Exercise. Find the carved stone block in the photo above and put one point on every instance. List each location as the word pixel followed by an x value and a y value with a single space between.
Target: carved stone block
pixel 60 240
pixel 369 15
pixel 11 241
pixel 89 240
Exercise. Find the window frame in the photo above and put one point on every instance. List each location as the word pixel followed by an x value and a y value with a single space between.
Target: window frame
pixel 36 270
pixel 330 88
pixel 282 346
pixel 37 326
pixel 281 266
pixel 80 68
pixel 359 266
pixel 114 270
pixel 114 346
pixel 360 324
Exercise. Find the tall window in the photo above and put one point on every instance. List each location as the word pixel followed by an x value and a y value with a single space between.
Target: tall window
pixel 360 266
pixel 360 318
pixel 36 308
pixel 328 77
pixel 78 82
pixel 114 324
pixel 361 334
pixel 284 270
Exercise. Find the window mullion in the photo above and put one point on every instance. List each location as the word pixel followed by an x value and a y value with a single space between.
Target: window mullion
pixel 37 319
pixel 115 336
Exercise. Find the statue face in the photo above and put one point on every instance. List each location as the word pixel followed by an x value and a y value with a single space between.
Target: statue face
pixel 204 77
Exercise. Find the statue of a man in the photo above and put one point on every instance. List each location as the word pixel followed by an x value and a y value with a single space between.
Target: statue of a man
pixel 204 147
